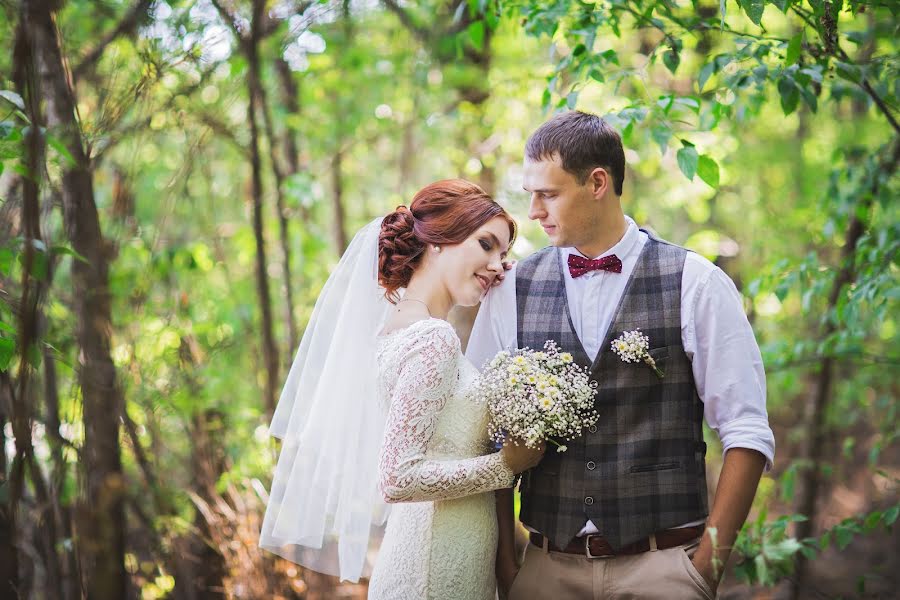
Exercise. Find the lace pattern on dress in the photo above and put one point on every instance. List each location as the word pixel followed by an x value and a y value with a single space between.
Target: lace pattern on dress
pixel 422 376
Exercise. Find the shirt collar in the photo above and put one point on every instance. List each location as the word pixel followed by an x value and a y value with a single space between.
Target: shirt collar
pixel 622 248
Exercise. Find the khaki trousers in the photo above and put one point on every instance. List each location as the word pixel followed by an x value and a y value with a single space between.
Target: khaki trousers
pixel 661 574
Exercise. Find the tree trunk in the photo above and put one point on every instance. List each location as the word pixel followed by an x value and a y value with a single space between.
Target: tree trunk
pixel 291 101
pixel 284 235
pixel 270 352
pixel 337 201
pixel 35 277
pixel 102 533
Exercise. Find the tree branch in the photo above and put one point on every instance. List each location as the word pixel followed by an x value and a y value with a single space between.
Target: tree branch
pixel 407 21
pixel 223 129
pixel 127 25
pixel 229 19
pixel 839 52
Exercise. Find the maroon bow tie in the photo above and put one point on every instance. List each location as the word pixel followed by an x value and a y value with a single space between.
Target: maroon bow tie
pixel 579 265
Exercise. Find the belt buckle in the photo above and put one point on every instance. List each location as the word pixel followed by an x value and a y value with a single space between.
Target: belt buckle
pixel 587 547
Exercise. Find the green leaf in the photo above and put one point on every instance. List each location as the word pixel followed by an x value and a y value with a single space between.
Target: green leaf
pixel 783 550
pixel 708 170
pixel 6 261
pixel 661 135
pixel 39 264
pixel 848 71
pixel 671 59
pixel 65 250
pixel 7 351
pixel 790 95
pixel 705 73
pixel 476 34
pixel 754 9
pixel 13 98
pixel 572 100
pixel 57 145
pixel 687 161
pixel 545 99
pixel 843 536
pixel 783 5
pixel 809 96
pixel 793 50
pixel 762 572
pixel 872 520
pixel 890 515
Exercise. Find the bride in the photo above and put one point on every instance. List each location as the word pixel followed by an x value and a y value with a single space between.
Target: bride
pixel 381 441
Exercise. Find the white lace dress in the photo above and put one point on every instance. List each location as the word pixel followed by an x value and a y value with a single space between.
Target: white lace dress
pixel 437 464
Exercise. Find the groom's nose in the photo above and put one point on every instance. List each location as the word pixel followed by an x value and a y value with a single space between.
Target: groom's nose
pixel 536 208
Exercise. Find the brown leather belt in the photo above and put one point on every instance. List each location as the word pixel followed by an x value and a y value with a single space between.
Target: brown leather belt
pixel 596 546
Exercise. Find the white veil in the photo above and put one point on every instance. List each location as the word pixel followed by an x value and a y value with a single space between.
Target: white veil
pixel 325 511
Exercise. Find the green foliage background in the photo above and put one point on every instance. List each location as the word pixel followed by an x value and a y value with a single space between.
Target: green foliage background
pixel 757 133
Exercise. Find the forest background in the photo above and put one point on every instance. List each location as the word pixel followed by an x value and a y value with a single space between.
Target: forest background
pixel 178 177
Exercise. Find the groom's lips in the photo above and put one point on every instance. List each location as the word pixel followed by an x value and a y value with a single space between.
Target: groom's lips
pixel 548 228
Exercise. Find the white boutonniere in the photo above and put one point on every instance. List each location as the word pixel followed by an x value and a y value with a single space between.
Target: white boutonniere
pixel 633 346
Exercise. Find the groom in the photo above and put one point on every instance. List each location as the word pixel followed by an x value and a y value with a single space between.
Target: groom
pixel 624 512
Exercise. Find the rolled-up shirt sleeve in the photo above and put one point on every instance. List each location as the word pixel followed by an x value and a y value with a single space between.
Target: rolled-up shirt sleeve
pixel 726 361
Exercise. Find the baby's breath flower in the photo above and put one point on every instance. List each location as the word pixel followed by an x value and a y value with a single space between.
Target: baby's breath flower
pixel 632 347
pixel 535 396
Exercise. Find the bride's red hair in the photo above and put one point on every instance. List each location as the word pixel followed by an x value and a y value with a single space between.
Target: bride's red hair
pixel 444 212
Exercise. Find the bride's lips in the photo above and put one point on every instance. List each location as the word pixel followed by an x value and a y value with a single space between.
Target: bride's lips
pixel 484 281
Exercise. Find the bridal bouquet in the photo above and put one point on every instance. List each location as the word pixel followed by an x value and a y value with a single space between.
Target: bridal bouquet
pixel 535 395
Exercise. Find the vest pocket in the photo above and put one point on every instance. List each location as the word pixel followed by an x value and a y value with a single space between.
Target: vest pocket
pixel 665 466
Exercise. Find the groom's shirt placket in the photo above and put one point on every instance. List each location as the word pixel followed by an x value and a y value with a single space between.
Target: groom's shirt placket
pixel 699 334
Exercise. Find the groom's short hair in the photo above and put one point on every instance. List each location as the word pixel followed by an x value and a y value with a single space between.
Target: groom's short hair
pixel 583 142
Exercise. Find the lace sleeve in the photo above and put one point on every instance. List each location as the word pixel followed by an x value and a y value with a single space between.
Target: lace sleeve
pixel 426 378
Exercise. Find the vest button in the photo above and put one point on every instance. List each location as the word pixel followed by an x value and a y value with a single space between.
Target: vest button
pixel 589 500
pixel 592 429
pixel 591 465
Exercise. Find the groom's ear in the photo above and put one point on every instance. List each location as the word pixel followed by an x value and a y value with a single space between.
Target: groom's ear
pixel 600 181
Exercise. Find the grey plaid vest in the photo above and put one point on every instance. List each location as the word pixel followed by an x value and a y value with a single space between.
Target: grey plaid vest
pixel 642 468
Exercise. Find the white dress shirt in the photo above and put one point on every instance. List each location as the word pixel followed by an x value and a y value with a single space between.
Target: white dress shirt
pixel 715 333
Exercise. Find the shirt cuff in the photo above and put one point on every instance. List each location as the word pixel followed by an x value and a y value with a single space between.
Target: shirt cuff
pixel 753 433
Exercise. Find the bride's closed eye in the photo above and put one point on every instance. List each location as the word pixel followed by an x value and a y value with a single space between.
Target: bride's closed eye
pixel 485 245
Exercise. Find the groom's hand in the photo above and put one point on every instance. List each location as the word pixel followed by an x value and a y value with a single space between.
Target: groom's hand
pixel 704 566
pixel 507 265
